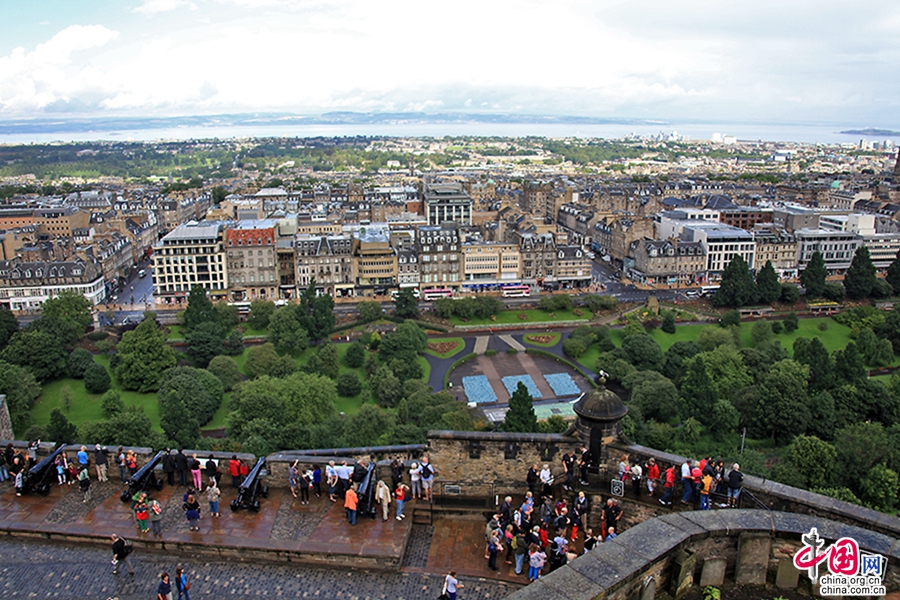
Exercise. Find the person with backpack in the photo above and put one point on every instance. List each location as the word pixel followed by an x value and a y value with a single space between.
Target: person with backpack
pixel 520 549
pixel 427 479
pixel 121 550
pixel 536 560
pixel 84 484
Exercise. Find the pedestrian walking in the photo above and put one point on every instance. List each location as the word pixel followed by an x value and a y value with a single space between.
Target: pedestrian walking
pixel 451 585
pixel 121 550
pixel 84 484
pixel 212 496
pixel 164 589
pixel 182 584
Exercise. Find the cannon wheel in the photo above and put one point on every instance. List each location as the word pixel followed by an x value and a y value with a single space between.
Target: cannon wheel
pixel 125 497
pixel 159 484
pixel 235 506
pixel 265 491
pixel 255 507
pixel 44 490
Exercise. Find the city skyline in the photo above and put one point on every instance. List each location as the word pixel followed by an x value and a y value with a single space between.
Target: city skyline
pixel 762 61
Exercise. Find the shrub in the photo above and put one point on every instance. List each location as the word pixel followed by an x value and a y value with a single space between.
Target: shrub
pixel 791 322
pixel 668 322
pixel 111 403
pixel 523 316
pixel 226 370
pixel 355 356
pixel 777 327
pixel 732 317
pixel 96 379
pixel 651 324
pixel 490 352
pixel 834 292
pixel 512 351
pixel 823 326
pixel 96 336
pixel 578 312
pixel 348 385
pixel 79 360
pixel 790 293
pixel 574 347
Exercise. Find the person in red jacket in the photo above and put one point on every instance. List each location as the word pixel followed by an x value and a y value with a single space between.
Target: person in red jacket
pixel 652 475
pixel 666 500
pixel 234 467
pixel 697 476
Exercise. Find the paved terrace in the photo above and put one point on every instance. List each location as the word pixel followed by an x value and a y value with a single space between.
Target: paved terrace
pixel 284 530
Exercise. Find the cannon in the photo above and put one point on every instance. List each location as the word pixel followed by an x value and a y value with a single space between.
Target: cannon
pixel 251 489
pixel 144 479
pixel 365 491
pixel 41 477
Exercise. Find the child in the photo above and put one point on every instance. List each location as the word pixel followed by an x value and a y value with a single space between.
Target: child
pixel 536 560
pixel 611 534
pixel 61 469
pixel 142 514
pixel 20 482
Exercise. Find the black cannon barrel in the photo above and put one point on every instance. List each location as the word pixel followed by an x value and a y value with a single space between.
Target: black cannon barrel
pixel 36 479
pixel 251 489
pixel 143 478
pixel 366 493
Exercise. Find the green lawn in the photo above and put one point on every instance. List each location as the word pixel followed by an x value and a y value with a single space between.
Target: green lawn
pixel 220 419
pixel 460 344
pixel 84 406
pixel 554 334
pixel 251 332
pixel 507 317
pixel 176 332
pixel 834 338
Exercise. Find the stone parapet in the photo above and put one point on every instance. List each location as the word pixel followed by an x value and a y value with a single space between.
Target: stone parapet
pixel 753 543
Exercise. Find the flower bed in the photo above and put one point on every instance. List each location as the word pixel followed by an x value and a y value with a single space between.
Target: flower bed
pixel 562 384
pixel 511 382
pixel 478 389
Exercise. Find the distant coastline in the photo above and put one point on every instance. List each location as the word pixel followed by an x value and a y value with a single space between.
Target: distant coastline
pixel 870 131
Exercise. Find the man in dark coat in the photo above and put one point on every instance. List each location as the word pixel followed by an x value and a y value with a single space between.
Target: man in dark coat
pixel 181 465
pixel 168 463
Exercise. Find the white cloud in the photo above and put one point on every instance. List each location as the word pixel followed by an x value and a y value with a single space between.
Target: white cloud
pixel 150 7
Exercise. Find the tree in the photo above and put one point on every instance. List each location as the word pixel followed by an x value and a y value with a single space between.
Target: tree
pixel 111 403
pixel 348 385
pixel 355 356
pixel 813 276
pixel 176 421
pixel 197 389
pixel 673 361
pixel 783 409
pixel 860 446
pixel 737 287
pixel 38 352
pixel 791 323
pixel 79 360
pixel 812 353
pixel 520 417
pixel 96 379
pixel 371 425
pixel 143 355
pixel 834 291
pixel 668 322
pixel 711 338
pixel 724 419
pixel 654 394
pixel 128 427
pixel 768 288
pixel 369 310
pixel 8 326
pixel 404 343
pixel 386 386
pixel 228 315
pixel 879 488
pixel 790 293
pixel 204 342
pixel 813 460
pixel 731 318
pixel 226 370
pixel 315 313
pixel 875 352
pixel 60 429
pixel 849 366
pixel 761 333
pixel 263 360
pixel 285 330
pixel 406 306
pixel 574 347
pixel 860 277
pixel 893 274
pixel 698 394
pixel 882 289
pixel 21 390
pixel 331 364
pixel 199 309
pixel 643 352
pixel 260 313
pixel 71 306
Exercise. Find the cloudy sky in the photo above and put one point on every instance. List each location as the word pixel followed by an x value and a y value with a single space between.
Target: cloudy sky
pixel 758 60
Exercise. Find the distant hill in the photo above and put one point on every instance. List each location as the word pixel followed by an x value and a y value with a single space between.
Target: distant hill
pixel 870 131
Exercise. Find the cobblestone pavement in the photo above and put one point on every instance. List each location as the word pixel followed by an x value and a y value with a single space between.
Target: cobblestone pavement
pixel 419 546
pixel 72 506
pixel 32 569
pixel 293 524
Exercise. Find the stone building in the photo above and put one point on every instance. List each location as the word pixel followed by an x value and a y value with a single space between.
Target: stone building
pixel 192 254
pixel 252 262
pixel 666 262
pixel 27 285
pixel 447 203
pixel 374 262
pixel 440 263
pixel 488 265
pixel 538 257
pixel 329 260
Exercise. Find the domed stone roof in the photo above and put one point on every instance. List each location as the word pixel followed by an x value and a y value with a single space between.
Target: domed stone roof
pixel 601 405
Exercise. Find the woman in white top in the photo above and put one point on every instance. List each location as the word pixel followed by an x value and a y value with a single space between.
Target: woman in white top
pixel 546 481
pixel 451 584
pixel 415 476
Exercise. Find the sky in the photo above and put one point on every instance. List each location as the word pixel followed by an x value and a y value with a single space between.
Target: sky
pixel 785 61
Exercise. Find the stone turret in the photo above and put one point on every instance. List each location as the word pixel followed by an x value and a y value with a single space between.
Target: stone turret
pixel 599 414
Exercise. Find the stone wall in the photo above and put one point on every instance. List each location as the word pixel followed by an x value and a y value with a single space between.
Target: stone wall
pixel 701 547
pixel 498 460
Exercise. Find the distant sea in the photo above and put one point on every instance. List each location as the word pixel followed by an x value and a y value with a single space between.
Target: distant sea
pixel 25 132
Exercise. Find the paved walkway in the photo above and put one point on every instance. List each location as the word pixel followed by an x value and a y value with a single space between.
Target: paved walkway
pixel 481 344
pixel 512 343
pixel 33 569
